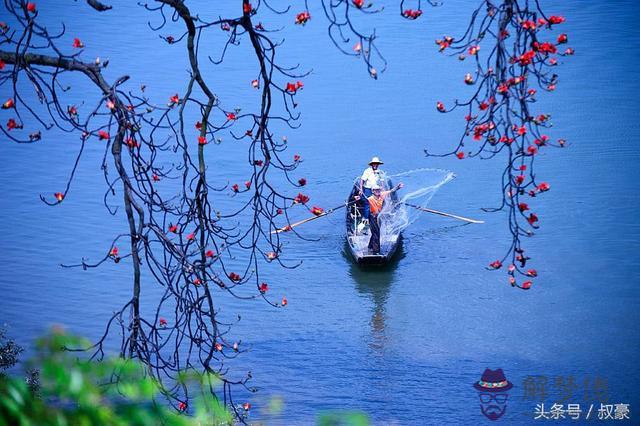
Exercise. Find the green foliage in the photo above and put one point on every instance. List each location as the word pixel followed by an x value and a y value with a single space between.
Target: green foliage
pixel 343 418
pixel 114 391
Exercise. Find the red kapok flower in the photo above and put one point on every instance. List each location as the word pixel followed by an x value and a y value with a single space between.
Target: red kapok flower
pixel 197 282
pixel 163 322
pixel 258 163
pixel 202 140
pixel 271 255
pixel 532 219
pixel 301 198
pixel 247 184
pixel 210 253
pixel 219 347
pixel 247 8
pixel 532 273
pixel 523 207
pixel 562 38
pixel 291 88
pixel 460 155
pixel 2 64
pixel 468 79
pixel 527 285
pixel 528 25
pixel 302 181
pixel 556 19
pixel 170 39
pixel 182 406
pixel 495 264
pixel 302 18
pixel 473 50
pixel 317 210
pixel 173 229
pixel 234 277
pixel 440 106
pixel 102 135
pixel 31 7
pixel 13 124
pixel 231 116
pixel 284 301
pixel 191 236
pixel 77 43
pixel 296 158
pixel 358 3
pixel 235 187
pixel 8 104
pixel 532 150
pixel 131 142
pixel 246 406
pixel 59 196
pixel 174 100
pixel 198 125
pixel 544 186
pixel 263 287
pixel 522 130
pixel 412 14
pixel 255 84
pixel 114 251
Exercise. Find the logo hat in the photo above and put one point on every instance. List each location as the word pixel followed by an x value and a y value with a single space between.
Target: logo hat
pixel 493 381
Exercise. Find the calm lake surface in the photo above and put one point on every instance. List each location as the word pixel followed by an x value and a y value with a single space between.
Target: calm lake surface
pixel 403 344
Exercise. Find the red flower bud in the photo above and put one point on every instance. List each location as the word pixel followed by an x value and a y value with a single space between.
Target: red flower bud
pixel 8 104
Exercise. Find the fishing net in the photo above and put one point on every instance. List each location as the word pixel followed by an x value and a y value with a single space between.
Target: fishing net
pixel 399 208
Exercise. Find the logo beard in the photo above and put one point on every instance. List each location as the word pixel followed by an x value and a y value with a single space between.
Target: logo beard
pixel 493 412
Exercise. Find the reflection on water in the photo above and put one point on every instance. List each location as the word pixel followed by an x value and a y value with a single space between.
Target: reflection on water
pixel 375 282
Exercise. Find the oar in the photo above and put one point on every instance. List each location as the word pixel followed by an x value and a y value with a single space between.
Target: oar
pixel 424 209
pixel 325 213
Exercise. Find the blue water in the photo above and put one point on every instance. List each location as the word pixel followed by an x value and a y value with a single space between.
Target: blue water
pixel 403 344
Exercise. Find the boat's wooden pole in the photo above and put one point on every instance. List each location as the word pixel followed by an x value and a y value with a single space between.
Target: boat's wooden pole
pixel 309 219
pixel 424 209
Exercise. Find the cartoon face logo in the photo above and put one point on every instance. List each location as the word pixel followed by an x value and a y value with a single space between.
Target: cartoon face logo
pixel 492 390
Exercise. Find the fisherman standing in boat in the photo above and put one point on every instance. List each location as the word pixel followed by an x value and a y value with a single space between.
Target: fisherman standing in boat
pixel 375 204
pixel 371 177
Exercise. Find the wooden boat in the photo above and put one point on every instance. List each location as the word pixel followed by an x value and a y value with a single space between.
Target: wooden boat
pixel 358 235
